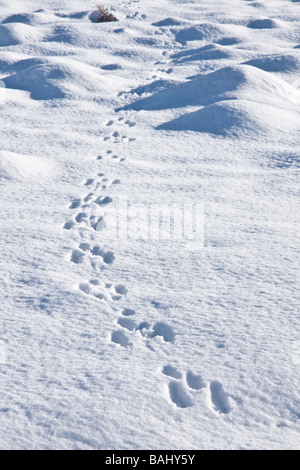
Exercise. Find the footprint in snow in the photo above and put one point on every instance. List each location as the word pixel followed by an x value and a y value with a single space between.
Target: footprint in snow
pixel 127 312
pixel 103 200
pixel 116 157
pixel 102 183
pixel 219 399
pixel 110 154
pixel 144 328
pixel 77 256
pixel 89 182
pixel 116 137
pixel 107 256
pixel 94 289
pixel 120 291
pixel 130 123
pixel 75 204
pixel 69 225
pixel 120 338
pixel 179 395
pixel 85 288
pixel 194 381
pixel 171 371
pixel 81 217
pixel 159 329
pixel 163 330
pixel 137 15
pixel 178 390
pixel 88 199
pixel 127 323
pixel 85 246
pixel 117 292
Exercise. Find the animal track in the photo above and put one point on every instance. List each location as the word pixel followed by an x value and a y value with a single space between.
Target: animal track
pixel 77 256
pixel 81 217
pixel 95 289
pixel 108 256
pixel 178 390
pixel 75 204
pixel 85 246
pixel 219 398
pixel 121 289
pixel 137 15
pixel 69 225
pixel 103 200
pixel 179 395
pixel 194 381
pixel 85 288
pixel 110 154
pixel 128 312
pixel 116 292
pixel 120 338
pixel 127 323
pixel 88 198
pixel 116 157
pixel 117 137
pixel 86 250
pixel 89 182
pixel 164 330
pixel 171 371
pixel 130 123
pixel 183 387
pixel 100 225
pixel 144 327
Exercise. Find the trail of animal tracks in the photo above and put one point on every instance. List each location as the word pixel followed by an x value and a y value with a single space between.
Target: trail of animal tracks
pixel 149 175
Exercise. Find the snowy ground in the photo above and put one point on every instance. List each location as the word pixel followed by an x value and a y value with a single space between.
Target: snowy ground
pixel 120 338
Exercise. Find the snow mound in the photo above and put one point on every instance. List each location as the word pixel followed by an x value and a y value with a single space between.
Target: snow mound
pixel 208 52
pixel 72 34
pixel 19 167
pixel 265 23
pixel 239 118
pixel 25 18
pixel 75 15
pixel 14 66
pixel 168 22
pixel 205 31
pixel 65 33
pixel 234 82
pixel 16 33
pixel 56 78
pixel 36 18
pixel 284 63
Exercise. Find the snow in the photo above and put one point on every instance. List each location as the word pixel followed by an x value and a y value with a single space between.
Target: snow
pixel 149 174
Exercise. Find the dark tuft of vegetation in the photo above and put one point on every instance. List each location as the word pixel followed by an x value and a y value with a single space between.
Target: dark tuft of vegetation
pixel 106 15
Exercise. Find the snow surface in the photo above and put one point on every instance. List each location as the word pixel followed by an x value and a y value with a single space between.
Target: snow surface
pixel 127 339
